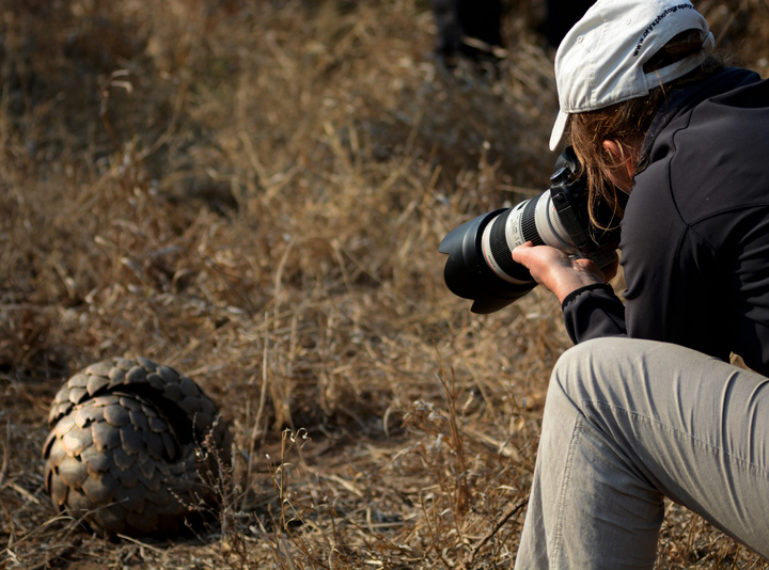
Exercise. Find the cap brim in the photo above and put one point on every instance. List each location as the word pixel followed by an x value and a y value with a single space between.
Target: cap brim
pixel 559 128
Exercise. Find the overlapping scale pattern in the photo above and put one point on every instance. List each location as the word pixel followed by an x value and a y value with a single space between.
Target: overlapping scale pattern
pixel 135 448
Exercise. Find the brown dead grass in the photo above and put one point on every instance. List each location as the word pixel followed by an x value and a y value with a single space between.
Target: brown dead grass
pixel 253 192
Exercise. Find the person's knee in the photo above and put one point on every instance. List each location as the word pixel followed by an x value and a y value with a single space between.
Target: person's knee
pixel 578 361
pixel 589 370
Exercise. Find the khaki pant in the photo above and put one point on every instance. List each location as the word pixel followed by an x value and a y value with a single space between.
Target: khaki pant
pixel 629 421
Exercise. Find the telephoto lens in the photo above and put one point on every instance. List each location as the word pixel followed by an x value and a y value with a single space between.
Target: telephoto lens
pixel 480 265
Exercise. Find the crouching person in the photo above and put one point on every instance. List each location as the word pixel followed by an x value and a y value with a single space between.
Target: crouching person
pixel 647 405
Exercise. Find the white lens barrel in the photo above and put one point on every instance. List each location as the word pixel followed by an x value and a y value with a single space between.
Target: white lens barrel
pixel 549 226
pixel 535 220
pixel 495 253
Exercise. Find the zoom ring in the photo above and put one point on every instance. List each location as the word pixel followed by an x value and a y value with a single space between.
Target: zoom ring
pixel 529 222
pixel 500 250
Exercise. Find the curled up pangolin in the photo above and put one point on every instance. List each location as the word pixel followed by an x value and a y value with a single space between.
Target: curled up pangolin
pixel 135 448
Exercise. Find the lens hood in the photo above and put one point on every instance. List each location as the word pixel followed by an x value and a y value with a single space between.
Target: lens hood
pixel 468 275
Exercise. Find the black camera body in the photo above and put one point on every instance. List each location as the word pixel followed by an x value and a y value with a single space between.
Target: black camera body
pixel 480 264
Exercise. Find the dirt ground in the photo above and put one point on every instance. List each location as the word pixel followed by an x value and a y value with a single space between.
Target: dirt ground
pixel 253 192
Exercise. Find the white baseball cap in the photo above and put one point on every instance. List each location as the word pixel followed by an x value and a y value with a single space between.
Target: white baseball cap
pixel 600 61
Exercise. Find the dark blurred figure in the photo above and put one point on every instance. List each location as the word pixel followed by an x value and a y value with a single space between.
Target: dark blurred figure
pixel 468 28
pixel 473 28
pixel 561 16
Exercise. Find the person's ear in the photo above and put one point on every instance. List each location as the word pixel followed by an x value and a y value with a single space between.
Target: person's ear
pixel 619 156
pixel 613 149
pixel 622 172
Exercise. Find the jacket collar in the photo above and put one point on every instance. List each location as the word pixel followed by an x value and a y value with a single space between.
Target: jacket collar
pixel 683 99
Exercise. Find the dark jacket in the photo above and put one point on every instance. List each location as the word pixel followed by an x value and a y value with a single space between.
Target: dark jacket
pixel 695 236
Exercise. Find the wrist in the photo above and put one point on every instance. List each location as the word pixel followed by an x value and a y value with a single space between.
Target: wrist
pixel 574 282
pixel 576 292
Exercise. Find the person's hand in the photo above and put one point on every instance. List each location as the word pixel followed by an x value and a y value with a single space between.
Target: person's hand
pixel 561 274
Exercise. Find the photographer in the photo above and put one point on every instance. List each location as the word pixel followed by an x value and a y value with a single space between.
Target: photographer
pixel 647 406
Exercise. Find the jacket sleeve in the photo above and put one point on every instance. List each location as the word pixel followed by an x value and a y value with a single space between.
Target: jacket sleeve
pixel 593 311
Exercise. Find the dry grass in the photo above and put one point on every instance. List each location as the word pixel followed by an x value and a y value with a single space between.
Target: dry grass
pixel 253 192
